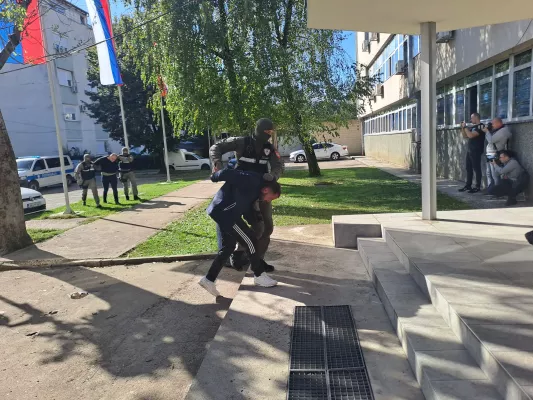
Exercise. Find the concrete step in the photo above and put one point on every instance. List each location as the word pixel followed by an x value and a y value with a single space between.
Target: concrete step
pixel 442 365
pixel 491 314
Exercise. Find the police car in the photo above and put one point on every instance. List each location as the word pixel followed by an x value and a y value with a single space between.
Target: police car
pixel 32 201
pixel 41 172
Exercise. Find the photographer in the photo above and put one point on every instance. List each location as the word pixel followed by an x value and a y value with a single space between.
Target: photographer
pixel 476 142
pixel 497 135
pixel 514 178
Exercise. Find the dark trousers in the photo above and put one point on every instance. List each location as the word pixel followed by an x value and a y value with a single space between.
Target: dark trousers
pixel 473 165
pixel 507 187
pixel 238 233
pixel 262 225
pixel 110 180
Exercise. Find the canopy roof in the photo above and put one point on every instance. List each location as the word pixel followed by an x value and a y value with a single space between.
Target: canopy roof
pixel 405 16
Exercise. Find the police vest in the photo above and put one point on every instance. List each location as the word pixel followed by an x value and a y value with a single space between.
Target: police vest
pixel 125 166
pixel 87 172
pixel 251 161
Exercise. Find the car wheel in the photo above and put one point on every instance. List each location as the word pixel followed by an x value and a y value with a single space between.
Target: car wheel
pixel 34 185
pixel 70 180
pixel 335 156
pixel 205 167
pixel 300 158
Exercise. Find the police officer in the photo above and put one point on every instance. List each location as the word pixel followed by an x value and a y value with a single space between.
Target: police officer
pixel 86 178
pixel 253 154
pixel 126 174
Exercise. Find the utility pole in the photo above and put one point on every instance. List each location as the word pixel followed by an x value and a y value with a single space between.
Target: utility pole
pixel 165 139
pixel 51 81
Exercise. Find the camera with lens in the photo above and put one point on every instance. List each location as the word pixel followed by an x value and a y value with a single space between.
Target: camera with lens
pixel 489 126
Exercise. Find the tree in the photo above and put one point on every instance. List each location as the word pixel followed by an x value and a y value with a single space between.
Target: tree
pixel 143 125
pixel 13 234
pixel 229 62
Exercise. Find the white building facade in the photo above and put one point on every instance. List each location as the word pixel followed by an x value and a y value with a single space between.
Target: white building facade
pixel 484 69
pixel 27 105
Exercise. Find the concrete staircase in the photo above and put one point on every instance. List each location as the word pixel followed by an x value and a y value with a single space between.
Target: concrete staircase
pixel 465 325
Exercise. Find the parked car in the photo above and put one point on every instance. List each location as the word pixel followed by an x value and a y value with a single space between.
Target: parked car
pixel 41 172
pixel 182 160
pixel 323 151
pixel 32 201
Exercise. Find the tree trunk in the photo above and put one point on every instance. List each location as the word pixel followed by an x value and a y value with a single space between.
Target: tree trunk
pixel 13 235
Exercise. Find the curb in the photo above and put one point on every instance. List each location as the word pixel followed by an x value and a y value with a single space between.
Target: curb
pixel 99 262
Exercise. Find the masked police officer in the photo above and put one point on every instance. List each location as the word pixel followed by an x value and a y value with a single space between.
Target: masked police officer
pixel 126 174
pixel 253 154
pixel 86 178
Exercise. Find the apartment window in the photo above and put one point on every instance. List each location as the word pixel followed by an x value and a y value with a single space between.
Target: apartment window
pixel 440 111
pixel 64 77
pixel 70 112
pixel 501 89
pixel 522 85
pixel 396 120
pixel 485 100
pixel 448 108
pixel 385 65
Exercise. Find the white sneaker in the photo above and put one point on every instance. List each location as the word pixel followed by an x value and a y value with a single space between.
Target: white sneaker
pixel 209 286
pixel 264 280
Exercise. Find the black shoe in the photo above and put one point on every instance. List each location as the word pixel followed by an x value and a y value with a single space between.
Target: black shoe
pixel 268 267
pixel 128 198
pixel 474 190
pixel 98 206
pixel 84 203
pixel 105 200
pixel 117 203
pixel 529 237
pixel 136 198
pixel 511 202
pixel 465 189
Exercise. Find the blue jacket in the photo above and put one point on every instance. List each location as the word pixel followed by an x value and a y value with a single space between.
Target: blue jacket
pixel 236 197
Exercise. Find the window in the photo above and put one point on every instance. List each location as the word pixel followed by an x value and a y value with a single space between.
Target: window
pixel 440 111
pixel 522 92
pixel 53 162
pixel 385 64
pixel 24 165
pixel 70 112
pixel 485 101
pixel 64 77
pixel 522 84
pixel 316 146
pixel 415 45
pixel 471 101
pixel 39 165
pixel 57 8
pixel 459 106
pixel 502 97
pixel 395 120
pixel 190 157
pixel 83 20
pixel 66 162
pixel 448 105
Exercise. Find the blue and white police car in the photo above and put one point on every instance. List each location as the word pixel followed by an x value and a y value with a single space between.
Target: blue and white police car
pixel 41 172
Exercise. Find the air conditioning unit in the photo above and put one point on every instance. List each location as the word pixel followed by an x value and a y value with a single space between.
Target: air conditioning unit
pixel 401 67
pixel 444 37
pixel 74 88
pixel 366 45
pixel 379 90
pixel 374 37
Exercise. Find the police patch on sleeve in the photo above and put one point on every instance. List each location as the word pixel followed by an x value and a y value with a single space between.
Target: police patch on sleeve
pixel 266 150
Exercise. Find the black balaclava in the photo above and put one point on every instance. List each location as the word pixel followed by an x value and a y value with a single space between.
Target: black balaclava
pixel 264 124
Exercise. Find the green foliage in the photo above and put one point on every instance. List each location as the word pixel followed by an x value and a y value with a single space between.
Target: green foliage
pixel 142 122
pixel 12 13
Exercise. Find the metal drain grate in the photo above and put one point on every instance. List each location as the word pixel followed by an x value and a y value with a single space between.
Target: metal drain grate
pixel 326 359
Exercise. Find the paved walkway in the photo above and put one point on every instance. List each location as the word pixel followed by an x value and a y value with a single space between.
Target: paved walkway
pixel 54 223
pixel 446 186
pixel 116 234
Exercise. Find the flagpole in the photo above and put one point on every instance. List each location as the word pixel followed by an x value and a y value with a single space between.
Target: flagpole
pixel 126 143
pixel 51 82
pixel 165 139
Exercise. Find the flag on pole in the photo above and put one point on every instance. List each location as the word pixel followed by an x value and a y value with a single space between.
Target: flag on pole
pixel 100 14
pixel 162 86
pixel 31 48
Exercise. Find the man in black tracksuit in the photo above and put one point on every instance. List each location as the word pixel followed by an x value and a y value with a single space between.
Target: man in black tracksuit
pixel 109 167
pixel 253 154
pixel 241 189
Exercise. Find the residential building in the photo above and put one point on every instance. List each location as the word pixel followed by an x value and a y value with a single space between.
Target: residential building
pixel 484 69
pixel 26 102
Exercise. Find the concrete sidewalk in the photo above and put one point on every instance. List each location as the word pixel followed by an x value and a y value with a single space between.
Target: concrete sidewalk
pixel 446 186
pixel 118 233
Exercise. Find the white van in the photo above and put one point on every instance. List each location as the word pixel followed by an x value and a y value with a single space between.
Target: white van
pixel 41 172
pixel 182 160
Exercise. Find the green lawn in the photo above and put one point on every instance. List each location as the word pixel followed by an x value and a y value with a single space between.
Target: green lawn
pixel 146 192
pixel 345 191
pixel 40 235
